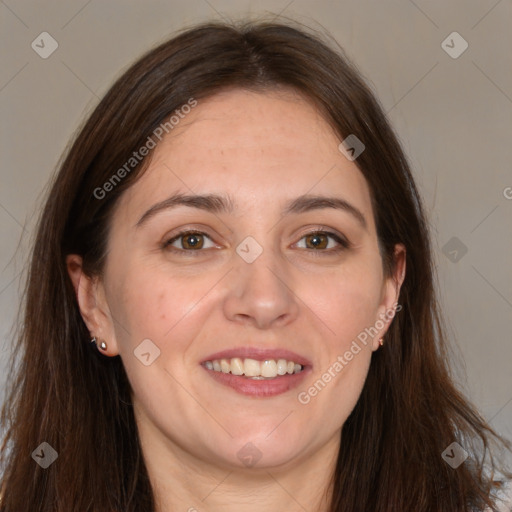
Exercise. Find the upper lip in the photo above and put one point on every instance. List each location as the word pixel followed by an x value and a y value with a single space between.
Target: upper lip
pixel 260 354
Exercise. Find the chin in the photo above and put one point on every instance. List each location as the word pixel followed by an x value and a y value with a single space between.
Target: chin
pixel 263 450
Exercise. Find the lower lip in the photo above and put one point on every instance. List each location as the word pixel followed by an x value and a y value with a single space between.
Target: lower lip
pixel 259 388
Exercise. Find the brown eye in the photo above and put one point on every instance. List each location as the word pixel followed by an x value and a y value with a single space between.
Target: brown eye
pixel 188 241
pixel 317 241
pixel 192 241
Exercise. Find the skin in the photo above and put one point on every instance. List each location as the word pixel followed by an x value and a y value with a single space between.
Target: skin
pixel 263 149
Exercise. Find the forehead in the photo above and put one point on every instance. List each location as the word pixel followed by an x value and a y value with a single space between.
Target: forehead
pixel 257 146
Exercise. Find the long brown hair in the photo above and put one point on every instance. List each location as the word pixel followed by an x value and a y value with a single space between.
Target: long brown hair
pixel 67 394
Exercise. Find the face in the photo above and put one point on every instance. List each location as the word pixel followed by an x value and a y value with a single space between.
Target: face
pixel 258 280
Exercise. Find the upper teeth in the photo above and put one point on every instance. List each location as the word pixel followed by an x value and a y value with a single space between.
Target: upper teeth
pixel 252 368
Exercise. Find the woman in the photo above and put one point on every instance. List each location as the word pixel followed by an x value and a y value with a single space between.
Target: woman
pixel 230 301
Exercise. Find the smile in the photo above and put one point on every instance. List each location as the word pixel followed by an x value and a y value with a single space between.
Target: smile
pixel 254 369
pixel 257 372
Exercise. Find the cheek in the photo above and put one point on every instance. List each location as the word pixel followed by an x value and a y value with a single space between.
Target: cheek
pixel 163 309
pixel 167 309
pixel 346 302
pixel 148 302
pixel 334 389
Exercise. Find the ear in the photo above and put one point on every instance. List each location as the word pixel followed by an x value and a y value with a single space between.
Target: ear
pixel 90 295
pixel 390 293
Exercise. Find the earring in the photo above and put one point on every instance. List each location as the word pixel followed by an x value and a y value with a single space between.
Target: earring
pixel 381 342
pixel 102 345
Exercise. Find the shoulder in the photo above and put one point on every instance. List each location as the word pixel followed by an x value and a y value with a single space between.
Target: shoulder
pixel 503 497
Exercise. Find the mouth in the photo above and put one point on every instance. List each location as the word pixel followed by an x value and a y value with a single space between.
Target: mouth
pixel 258 373
pixel 254 369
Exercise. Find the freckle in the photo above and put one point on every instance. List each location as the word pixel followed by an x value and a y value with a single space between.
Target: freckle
pixel 161 297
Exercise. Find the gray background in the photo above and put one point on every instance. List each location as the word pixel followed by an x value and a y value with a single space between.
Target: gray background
pixel 453 116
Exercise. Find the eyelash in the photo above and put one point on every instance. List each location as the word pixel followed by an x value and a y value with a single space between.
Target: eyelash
pixel 343 244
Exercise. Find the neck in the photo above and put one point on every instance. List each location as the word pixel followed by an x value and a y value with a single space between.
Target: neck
pixel 184 482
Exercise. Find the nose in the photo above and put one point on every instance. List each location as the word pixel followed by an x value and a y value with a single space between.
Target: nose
pixel 261 293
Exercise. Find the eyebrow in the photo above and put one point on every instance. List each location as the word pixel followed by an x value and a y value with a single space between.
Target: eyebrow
pixel 307 203
pixel 215 203
pixel 209 202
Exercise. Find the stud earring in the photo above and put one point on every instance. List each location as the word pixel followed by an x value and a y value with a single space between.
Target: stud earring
pixel 381 342
pixel 102 345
